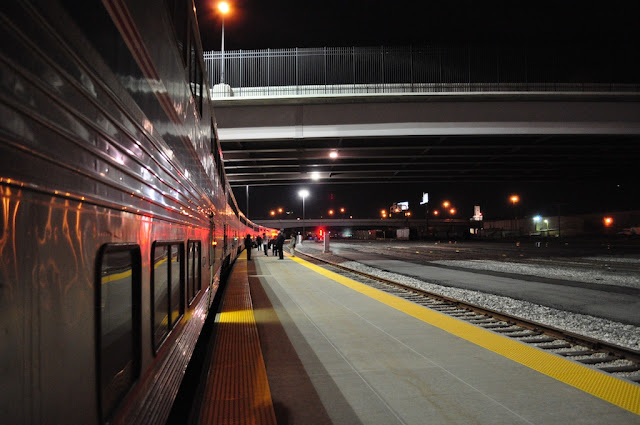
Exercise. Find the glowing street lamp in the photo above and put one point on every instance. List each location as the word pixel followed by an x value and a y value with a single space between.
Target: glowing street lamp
pixel 514 199
pixel 536 220
pixel 608 221
pixel 446 204
pixel 331 212
pixel 223 8
pixel 303 193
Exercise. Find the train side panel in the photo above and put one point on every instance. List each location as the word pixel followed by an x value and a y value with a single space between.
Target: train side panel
pixel 114 206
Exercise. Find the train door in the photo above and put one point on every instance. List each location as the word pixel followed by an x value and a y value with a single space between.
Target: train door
pixel 212 244
pixel 212 259
pixel 224 240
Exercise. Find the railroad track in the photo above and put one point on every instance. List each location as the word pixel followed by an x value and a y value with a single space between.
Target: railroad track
pixel 618 361
pixel 428 256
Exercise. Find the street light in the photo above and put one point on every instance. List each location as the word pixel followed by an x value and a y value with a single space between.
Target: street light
pixel 514 199
pixel 223 8
pixel 303 193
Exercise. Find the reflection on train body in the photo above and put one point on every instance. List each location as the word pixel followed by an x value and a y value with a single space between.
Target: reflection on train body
pixel 116 218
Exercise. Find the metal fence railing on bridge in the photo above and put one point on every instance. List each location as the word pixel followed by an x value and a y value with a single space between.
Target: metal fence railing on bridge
pixel 355 70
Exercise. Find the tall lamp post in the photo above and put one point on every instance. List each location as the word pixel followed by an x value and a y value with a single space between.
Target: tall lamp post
pixel 303 193
pixel 223 8
pixel 514 200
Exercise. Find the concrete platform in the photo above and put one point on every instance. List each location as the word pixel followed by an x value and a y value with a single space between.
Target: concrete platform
pixel 338 353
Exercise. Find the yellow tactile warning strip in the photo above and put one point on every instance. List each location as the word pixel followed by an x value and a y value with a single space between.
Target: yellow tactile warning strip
pixel 237 390
pixel 618 392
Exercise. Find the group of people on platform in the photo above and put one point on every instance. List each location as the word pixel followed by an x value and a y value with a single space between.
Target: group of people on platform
pixel 276 244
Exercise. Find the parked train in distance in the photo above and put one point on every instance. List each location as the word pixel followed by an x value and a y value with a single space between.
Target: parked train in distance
pixel 116 219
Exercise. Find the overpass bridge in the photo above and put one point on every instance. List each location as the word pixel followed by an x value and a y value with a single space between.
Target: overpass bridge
pixel 420 227
pixel 426 115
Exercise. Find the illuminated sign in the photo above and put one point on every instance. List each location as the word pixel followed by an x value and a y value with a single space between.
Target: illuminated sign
pixel 399 206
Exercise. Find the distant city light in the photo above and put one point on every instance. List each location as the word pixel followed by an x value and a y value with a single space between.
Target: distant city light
pixel 436 212
pixel 537 219
pixel 272 212
pixel 280 210
pixel 514 199
pixel 331 212
pixel 446 204
pixel 342 210
pixel 608 221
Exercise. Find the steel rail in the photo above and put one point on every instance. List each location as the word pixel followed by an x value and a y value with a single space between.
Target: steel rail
pixel 614 352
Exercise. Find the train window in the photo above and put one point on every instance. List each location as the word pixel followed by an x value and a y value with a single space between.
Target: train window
pixel 178 14
pixel 217 156
pixel 118 323
pixel 167 288
pixel 193 269
pixel 195 73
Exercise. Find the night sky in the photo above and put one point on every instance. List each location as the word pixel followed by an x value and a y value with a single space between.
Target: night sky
pixel 260 24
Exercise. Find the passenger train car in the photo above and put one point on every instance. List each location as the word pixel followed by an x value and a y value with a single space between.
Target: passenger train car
pixel 116 217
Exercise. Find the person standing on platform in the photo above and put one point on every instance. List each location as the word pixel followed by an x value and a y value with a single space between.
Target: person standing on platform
pixel 280 244
pixel 292 244
pixel 248 243
pixel 259 243
pixel 265 243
